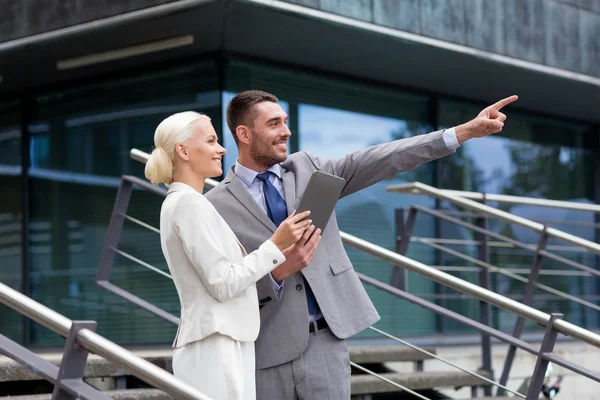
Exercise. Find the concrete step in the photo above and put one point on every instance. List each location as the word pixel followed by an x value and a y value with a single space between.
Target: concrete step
pixel 366 384
pixel 129 394
pixel 385 353
pixel 98 367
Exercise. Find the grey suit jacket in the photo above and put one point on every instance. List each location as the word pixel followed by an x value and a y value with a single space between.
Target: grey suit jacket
pixel 341 296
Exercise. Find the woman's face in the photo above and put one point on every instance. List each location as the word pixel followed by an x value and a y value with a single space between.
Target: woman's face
pixel 203 150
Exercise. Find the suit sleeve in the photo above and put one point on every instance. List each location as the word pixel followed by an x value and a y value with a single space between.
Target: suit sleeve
pixel 195 223
pixel 363 168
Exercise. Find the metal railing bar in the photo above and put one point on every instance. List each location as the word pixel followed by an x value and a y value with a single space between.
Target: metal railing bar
pixel 542 221
pixel 137 260
pixel 445 279
pixel 412 346
pixel 504 337
pixel 133 299
pixel 577 224
pixel 44 369
pixel 48 371
pixel 504 216
pixel 461 296
pixel 549 272
pixel 500 244
pixel 493 298
pixel 383 378
pixel 501 198
pixel 137 221
pixel 512 275
pixel 145 185
pixel 571 366
pixel 509 240
pixel 99 345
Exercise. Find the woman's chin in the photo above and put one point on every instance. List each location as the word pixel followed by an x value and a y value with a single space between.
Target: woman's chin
pixel 216 173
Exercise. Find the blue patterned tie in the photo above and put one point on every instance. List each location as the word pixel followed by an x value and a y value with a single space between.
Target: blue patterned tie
pixel 277 211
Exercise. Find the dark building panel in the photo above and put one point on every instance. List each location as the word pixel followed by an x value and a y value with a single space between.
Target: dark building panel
pixel 20 18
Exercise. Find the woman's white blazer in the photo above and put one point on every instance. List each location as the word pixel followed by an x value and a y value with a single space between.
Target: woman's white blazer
pixel 214 277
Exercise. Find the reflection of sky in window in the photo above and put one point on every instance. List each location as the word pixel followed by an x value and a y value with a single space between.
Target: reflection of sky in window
pixel 490 154
pixel 334 133
pixel 229 143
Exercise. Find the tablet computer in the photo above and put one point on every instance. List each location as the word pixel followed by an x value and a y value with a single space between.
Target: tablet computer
pixel 320 196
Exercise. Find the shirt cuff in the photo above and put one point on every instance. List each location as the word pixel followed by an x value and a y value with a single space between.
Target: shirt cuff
pixel 277 287
pixel 450 139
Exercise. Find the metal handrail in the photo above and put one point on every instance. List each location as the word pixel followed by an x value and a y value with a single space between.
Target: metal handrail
pixel 97 344
pixel 443 278
pixel 435 356
pixel 391 382
pixel 471 289
pixel 512 275
pixel 421 188
pixel 520 200
pixel 499 244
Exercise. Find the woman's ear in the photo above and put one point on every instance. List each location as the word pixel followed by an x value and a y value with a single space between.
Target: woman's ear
pixel 243 134
pixel 181 151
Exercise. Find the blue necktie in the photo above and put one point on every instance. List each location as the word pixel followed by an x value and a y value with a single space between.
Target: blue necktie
pixel 277 211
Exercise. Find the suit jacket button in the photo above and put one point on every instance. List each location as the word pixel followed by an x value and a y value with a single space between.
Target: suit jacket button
pixel 274 261
pixel 299 286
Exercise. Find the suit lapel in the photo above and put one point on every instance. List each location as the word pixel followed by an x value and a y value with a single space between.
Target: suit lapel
pixel 237 188
pixel 289 188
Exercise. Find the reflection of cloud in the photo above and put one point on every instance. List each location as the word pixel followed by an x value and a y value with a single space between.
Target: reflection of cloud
pixel 311 137
pixel 334 133
pixel 490 155
pixel 555 215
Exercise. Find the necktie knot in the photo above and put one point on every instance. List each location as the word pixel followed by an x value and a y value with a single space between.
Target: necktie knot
pixel 263 176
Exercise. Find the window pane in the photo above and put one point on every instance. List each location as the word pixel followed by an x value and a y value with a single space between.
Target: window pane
pixel 10 213
pixel 533 157
pixel 80 142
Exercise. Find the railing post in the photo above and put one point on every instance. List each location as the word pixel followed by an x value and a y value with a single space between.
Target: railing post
pixel 403 233
pixel 485 310
pixel 534 273
pixel 73 363
pixel 115 227
pixel 541 365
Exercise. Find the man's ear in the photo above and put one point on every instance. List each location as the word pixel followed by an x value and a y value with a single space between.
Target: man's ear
pixel 181 151
pixel 243 134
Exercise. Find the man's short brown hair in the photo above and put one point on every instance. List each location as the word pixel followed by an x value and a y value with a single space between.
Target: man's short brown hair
pixel 240 110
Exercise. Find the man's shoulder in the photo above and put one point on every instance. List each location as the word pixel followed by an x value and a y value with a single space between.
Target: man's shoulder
pixel 217 191
pixel 298 161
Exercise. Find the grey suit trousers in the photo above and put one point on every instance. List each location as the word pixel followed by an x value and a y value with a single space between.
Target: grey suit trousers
pixel 322 372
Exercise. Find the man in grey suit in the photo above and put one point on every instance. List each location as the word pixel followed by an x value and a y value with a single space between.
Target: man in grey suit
pixel 313 301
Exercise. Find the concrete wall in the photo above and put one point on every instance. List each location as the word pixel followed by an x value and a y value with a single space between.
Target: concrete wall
pixel 559 33
pixel 20 18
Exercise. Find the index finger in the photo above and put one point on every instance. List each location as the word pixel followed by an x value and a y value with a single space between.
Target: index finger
pixel 505 102
pixel 298 217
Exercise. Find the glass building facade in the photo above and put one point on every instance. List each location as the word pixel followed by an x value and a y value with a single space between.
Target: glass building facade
pixel 62 154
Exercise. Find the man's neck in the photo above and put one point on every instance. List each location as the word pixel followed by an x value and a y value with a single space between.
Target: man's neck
pixel 251 164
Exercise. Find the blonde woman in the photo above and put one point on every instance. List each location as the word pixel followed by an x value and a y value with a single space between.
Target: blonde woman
pixel 214 277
